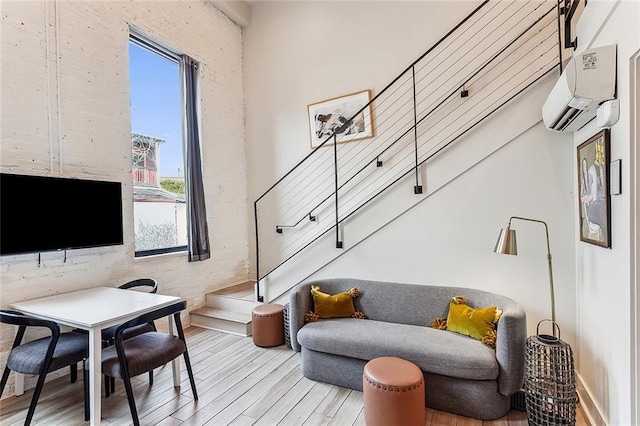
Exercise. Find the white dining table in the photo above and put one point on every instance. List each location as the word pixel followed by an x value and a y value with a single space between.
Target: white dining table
pixel 93 310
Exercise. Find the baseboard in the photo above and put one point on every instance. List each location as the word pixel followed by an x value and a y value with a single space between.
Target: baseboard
pixel 589 408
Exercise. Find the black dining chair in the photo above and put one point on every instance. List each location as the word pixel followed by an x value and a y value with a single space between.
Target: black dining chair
pixel 43 355
pixel 131 357
pixel 108 334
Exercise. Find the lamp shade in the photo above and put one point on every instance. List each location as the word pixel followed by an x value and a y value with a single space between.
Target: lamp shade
pixel 506 243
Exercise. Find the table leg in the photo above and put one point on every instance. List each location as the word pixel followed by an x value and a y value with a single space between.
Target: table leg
pixel 95 357
pixel 18 384
pixel 175 364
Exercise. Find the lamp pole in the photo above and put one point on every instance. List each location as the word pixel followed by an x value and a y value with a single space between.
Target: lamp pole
pixel 549 263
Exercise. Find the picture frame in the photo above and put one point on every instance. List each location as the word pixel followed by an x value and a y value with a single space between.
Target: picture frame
pixel 594 200
pixel 347 116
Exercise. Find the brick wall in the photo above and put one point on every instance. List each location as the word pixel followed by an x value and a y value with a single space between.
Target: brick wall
pixel 65 112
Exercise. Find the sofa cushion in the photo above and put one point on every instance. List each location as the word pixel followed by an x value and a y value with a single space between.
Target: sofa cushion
pixel 478 323
pixel 333 306
pixel 434 351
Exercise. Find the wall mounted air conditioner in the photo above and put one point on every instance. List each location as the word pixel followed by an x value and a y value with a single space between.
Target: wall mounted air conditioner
pixel 588 80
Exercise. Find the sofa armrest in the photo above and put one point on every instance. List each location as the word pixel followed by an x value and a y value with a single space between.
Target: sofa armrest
pixel 510 349
pixel 300 303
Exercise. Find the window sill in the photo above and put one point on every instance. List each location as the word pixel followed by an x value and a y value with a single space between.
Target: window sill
pixel 181 253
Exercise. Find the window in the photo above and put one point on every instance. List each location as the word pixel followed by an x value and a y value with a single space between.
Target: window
pixel 157 147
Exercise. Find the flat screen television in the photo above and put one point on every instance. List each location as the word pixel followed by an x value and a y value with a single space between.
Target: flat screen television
pixel 41 213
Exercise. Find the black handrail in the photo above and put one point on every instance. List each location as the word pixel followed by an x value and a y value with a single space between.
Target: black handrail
pixel 406 173
pixel 384 90
pixel 414 128
pixel 416 122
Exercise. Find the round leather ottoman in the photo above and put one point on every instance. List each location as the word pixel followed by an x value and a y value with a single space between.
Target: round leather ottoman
pixel 393 391
pixel 267 325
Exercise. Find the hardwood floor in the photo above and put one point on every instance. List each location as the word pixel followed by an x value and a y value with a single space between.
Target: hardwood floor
pixel 238 384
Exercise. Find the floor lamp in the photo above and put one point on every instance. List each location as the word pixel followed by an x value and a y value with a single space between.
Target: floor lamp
pixel 507 244
pixel 549 380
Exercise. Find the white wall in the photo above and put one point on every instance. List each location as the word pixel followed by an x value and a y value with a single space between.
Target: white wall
pixel 65 112
pixel 604 276
pixel 448 238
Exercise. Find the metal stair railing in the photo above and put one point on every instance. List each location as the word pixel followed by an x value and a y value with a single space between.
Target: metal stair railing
pixel 495 53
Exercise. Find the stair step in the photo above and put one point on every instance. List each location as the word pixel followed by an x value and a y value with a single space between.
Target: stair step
pixel 227 321
pixel 243 290
pixel 238 298
pixel 233 316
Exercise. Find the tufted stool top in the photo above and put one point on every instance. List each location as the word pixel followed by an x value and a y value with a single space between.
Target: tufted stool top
pixel 267 309
pixel 391 371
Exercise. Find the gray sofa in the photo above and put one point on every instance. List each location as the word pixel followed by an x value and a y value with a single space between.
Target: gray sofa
pixel 462 375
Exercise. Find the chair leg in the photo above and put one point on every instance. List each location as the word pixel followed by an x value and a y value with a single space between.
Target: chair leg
pixel 190 371
pixel 176 318
pixel 73 372
pixel 107 386
pixel 5 377
pixel 34 399
pixel 151 378
pixel 109 382
pixel 132 402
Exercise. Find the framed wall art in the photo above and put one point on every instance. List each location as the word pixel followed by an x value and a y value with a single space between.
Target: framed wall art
pixel 593 190
pixel 343 116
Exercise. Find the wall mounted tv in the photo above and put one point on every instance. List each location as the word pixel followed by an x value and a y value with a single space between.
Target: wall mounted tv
pixel 39 213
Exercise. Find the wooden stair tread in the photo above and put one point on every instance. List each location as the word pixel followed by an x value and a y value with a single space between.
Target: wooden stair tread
pixel 239 291
pixel 233 316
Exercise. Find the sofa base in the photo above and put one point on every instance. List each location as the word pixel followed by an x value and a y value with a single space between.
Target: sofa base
pixel 478 399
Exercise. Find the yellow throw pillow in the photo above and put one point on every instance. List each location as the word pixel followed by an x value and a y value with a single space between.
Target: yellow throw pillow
pixel 476 323
pixel 334 306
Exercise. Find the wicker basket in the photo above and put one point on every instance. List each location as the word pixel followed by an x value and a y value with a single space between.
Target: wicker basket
pixel 550 382
pixel 287 337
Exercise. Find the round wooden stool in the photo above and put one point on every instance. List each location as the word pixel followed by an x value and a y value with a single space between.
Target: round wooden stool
pixel 393 391
pixel 267 325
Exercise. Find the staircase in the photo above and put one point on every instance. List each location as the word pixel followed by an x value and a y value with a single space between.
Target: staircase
pixel 227 310
pixel 494 55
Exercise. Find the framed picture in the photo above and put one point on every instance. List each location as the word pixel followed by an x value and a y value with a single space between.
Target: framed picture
pixel 344 116
pixel 593 190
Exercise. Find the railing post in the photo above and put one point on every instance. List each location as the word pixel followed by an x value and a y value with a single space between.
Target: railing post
pixel 335 173
pixel 559 13
pixel 569 10
pixel 417 189
pixel 255 215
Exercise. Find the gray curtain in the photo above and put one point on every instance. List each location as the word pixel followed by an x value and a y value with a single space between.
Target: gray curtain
pixel 199 248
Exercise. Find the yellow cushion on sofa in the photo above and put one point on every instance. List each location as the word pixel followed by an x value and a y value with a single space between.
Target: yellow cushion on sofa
pixel 476 323
pixel 337 306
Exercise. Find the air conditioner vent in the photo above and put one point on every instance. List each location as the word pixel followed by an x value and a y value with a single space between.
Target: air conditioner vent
pixel 588 80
